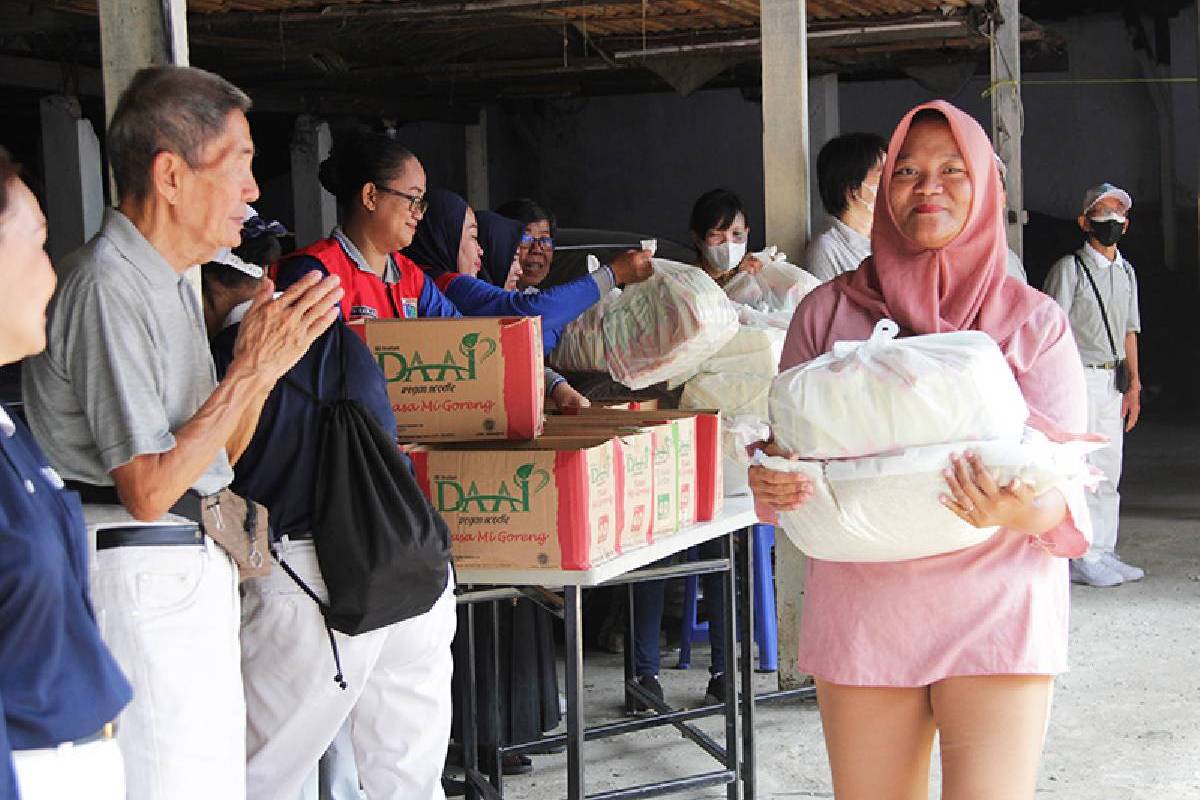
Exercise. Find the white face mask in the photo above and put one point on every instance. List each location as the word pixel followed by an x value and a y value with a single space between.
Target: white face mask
pixel 862 198
pixel 726 255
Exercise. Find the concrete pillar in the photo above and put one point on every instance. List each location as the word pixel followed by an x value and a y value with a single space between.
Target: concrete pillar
pixel 74 176
pixel 315 208
pixel 1007 115
pixel 786 203
pixel 824 123
pixel 136 34
pixel 785 129
pixel 478 190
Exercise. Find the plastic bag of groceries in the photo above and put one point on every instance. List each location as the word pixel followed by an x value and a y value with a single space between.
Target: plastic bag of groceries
pixel 580 347
pixel 778 286
pixel 742 401
pixel 852 514
pixel 666 326
pixel 753 350
pixel 887 394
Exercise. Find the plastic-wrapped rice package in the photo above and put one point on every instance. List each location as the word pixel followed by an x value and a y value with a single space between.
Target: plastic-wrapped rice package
pixel 742 400
pixel 778 286
pixel 779 320
pixel 851 515
pixel 888 394
pixel 666 326
pixel 580 348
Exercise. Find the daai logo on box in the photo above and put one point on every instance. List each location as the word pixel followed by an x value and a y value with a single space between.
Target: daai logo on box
pixel 473 350
pixel 454 498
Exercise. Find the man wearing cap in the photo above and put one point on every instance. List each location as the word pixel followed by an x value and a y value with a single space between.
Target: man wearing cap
pixel 1098 289
pixel 126 404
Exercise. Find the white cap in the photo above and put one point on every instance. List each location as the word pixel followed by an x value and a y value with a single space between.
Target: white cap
pixel 1104 190
pixel 228 258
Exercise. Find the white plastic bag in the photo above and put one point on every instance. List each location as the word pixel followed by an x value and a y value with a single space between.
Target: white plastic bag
pixel 666 326
pixel 779 286
pixel 580 347
pixel 887 508
pixel 888 394
pixel 737 434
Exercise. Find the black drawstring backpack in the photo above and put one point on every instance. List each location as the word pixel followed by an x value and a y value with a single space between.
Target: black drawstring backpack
pixel 382 548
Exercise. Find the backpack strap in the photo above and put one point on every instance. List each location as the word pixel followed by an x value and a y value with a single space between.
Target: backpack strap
pixel 1112 343
pixel 338 677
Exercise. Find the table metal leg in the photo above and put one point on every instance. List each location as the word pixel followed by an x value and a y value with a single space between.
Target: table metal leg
pixel 495 771
pixel 746 623
pixel 732 719
pixel 575 720
pixel 630 666
pixel 470 719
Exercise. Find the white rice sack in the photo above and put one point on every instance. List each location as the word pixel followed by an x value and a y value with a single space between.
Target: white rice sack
pixel 742 401
pixel 779 286
pixel 666 326
pixel 580 348
pixel 752 351
pixel 886 394
pixel 887 508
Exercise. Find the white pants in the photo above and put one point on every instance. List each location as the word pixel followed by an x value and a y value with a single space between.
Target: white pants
pixel 1104 417
pixel 397 701
pixel 93 771
pixel 170 615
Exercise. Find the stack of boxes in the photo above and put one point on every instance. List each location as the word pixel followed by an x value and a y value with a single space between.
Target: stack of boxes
pixel 523 491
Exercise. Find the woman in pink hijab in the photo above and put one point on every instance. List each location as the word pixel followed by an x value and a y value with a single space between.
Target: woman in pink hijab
pixel 965 644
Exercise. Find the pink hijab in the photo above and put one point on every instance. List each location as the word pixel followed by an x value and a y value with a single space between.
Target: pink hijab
pixel 962 286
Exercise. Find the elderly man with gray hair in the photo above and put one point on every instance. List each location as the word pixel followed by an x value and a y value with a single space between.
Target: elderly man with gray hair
pixel 127 406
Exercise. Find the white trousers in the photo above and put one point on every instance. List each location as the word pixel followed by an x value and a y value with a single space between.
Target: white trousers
pixel 93 771
pixel 397 701
pixel 1104 417
pixel 171 615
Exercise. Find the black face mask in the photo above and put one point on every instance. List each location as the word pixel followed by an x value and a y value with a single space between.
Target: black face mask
pixel 1107 232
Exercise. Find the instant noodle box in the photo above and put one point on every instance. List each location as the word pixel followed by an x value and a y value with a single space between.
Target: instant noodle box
pixel 552 503
pixel 698 436
pixel 636 464
pixel 460 379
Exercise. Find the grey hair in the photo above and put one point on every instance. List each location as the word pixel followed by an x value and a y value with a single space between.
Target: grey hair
pixel 176 109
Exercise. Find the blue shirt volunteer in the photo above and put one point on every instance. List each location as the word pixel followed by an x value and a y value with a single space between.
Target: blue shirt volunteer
pixel 58 681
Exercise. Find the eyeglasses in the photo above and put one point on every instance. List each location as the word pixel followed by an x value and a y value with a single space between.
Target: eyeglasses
pixel 416 203
pixel 527 242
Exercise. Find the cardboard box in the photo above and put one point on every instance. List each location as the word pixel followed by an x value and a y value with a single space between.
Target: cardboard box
pixel 553 503
pixel 635 459
pixel 461 379
pixel 707 488
pixel 635 462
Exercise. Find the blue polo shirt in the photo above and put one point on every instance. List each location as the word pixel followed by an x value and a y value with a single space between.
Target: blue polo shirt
pixel 58 682
pixel 279 467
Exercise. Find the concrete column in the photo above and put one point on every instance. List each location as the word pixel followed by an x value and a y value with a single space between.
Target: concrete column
pixel 315 208
pixel 785 129
pixel 136 34
pixel 478 190
pixel 786 203
pixel 1007 115
pixel 824 121
pixel 74 176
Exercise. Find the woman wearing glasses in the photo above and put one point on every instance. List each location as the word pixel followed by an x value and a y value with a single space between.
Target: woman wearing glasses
pixel 536 247
pixel 380 187
pixel 446 247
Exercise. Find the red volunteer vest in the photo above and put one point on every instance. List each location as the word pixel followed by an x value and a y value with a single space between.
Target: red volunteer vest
pixel 367 296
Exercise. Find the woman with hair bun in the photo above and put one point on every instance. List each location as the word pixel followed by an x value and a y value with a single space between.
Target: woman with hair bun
pixel 380 187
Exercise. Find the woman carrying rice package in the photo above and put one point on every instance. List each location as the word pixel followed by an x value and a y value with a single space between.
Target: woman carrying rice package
pixel 965 644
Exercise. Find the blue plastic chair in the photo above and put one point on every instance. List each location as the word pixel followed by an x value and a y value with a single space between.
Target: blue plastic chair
pixel 766 633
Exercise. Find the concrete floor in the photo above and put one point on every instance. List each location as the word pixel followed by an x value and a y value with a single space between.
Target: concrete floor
pixel 1126 720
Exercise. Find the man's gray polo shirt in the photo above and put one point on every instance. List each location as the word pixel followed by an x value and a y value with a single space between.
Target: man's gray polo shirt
pixel 126 363
pixel 1118 287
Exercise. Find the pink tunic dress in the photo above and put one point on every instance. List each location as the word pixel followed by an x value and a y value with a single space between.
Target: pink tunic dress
pixel 999 607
